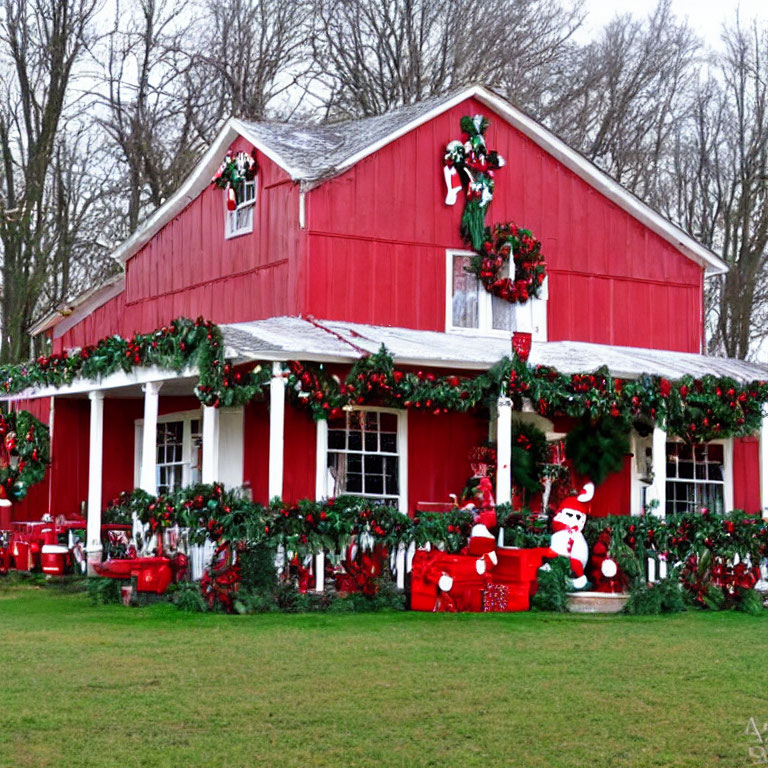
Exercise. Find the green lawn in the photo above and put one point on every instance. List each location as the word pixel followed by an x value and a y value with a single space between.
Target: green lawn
pixel 111 686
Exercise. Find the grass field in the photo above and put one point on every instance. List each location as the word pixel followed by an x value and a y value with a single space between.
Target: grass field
pixel 111 686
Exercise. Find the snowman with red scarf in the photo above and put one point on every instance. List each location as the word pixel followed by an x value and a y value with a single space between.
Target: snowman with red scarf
pixel 568 537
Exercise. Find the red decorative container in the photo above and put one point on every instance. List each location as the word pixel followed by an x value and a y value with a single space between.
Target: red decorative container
pixel 153 574
pixel 154 578
pixel 53 558
pixel 5 515
pixel 521 344
pixel 20 551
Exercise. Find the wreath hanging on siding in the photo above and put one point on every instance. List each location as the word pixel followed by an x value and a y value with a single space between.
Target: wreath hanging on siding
pixel 234 170
pixel 24 453
pixel 508 244
pixel 470 165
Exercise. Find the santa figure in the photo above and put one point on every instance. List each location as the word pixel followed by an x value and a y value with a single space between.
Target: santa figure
pixel 482 543
pixel 567 537
pixel 481 546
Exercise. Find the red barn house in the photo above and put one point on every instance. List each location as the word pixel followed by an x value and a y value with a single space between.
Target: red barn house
pixel 343 242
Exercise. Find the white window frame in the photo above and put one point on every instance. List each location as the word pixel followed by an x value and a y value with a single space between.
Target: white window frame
pixel 727 472
pixel 185 416
pixel 322 490
pixel 249 203
pixel 530 317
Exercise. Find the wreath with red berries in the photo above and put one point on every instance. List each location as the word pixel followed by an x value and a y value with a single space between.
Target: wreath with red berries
pixel 24 453
pixel 501 243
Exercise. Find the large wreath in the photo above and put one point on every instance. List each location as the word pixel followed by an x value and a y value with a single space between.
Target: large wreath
pixel 526 269
pixel 24 453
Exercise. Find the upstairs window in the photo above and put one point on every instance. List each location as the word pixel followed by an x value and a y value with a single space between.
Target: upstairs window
pixel 237 177
pixel 240 220
pixel 470 307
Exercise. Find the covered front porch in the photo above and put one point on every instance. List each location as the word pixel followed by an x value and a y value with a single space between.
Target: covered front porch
pixel 148 429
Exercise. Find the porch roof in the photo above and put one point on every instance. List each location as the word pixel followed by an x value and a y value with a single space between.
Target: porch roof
pixel 284 338
pixel 332 341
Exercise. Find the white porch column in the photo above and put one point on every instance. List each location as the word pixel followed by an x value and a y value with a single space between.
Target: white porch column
pixel 658 490
pixel 764 466
pixel 276 431
pixel 148 473
pixel 210 471
pixel 320 572
pixel 504 450
pixel 95 465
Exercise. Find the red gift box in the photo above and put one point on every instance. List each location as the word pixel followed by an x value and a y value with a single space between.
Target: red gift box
pixel 466 593
pixel 518 565
pixel 496 598
pixel 505 598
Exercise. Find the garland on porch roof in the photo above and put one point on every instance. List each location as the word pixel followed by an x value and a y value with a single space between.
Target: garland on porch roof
pixel 695 409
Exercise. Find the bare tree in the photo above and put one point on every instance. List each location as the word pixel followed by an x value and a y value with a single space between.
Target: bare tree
pixel 625 95
pixel 43 41
pixel 373 55
pixel 739 189
pixel 149 111
pixel 252 53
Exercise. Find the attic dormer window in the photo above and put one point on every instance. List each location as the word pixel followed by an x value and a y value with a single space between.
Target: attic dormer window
pixel 240 215
pixel 237 177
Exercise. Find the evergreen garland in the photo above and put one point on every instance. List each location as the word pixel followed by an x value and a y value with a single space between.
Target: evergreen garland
pixel 553 586
pixel 694 409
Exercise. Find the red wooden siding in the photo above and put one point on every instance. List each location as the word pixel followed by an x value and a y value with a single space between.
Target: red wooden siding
pixel 70 448
pixel 256 450
pixel 103 321
pixel 614 496
pixel 189 268
pixel 438 454
pixel 119 445
pixel 746 474
pixel 374 250
pixel 378 234
pixel 299 457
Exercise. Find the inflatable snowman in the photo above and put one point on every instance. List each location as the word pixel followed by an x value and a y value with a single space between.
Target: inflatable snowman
pixel 568 537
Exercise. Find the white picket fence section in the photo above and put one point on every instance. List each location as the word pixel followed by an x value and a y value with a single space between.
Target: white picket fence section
pixel 199 556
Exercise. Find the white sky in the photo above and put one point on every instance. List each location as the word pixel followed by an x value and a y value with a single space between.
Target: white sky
pixel 705 16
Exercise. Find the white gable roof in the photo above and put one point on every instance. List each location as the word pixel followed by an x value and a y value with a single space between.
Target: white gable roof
pixel 312 154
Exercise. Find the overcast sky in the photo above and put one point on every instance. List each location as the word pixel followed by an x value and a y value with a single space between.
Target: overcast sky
pixel 705 16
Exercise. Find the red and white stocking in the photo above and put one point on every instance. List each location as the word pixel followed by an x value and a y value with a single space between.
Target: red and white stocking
pixel 452 184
